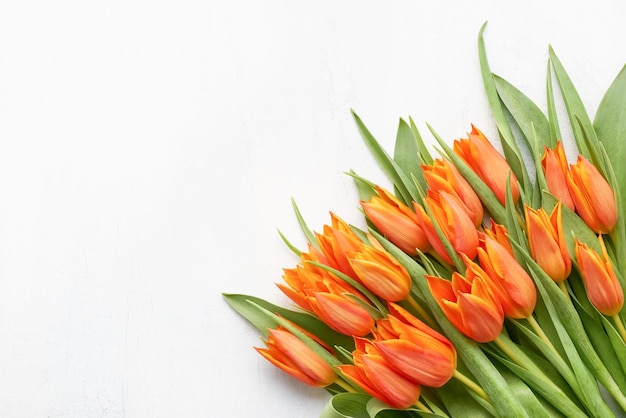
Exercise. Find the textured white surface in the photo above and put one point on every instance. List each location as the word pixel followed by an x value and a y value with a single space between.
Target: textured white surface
pixel 149 151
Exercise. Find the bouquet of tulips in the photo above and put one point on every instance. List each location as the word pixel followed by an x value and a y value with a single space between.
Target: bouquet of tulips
pixel 479 287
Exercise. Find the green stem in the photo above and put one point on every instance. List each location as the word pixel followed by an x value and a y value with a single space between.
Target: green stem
pixel 620 326
pixel 539 331
pixel 509 353
pixel 421 312
pixel 344 385
pixel 563 288
pixel 473 386
pixel 419 405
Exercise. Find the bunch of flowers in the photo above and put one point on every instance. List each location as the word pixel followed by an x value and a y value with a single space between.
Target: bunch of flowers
pixel 476 289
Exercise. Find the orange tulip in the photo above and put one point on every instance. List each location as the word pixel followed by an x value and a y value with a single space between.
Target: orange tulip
pixel 375 376
pixel 413 349
pixel 592 195
pixel 442 175
pixel 487 163
pixel 603 288
pixel 316 290
pixel 469 304
pixel 396 221
pixel 499 233
pixel 508 281
pixel 554 164
pixel 381 273
pixel 454 222
pixel 547 242
pixel 337 240
pixel 289 353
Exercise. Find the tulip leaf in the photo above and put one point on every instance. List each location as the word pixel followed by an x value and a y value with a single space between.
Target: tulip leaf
pixel 305 229
pixel 405 187
pixel 346 405
pixel 470 353
pixel 289 245
pixel 247 306
pixel 424 154
pixel 528 117
pixel 365 188
pixel 509 146
pixel 555 132
pixel 407 153
pixel 489 199
pixel 574 106
pixel 610 126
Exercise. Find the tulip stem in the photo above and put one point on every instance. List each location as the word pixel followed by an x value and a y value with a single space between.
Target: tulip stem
pixel 563 288
pixel 620 326
pixel 344 385
pixel 423 407
pixel 537 328
pixel 471 385
pixel 421 312
pixel 507 350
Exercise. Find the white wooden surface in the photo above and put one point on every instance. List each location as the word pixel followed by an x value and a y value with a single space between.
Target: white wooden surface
pixel 149 151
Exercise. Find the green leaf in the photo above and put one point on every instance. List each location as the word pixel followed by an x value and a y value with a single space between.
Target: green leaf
pixel 347 405
pixel 610 126
pixel 403 184
pixel 305 229
pixel 289 245
pixel 407 153
pixel 365 188
pixel 574 106
pixel 555 132
pixel 509 146
pixel 423 150
pixel 246 306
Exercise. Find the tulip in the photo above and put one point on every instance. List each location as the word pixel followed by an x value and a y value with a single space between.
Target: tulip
pixel 375 376
pixel 443 176
pixel 454 222
pixel 487 163
pixel 337 240
pixel 469 304
pixel 508 281
pixel 289 353
pixel 593 197
pixel 333 300
pixel 547 242
pixel 603 288
pixel 381 273
pixel 413 349
pixel 554 164
pixel 396 221
pixel 499 233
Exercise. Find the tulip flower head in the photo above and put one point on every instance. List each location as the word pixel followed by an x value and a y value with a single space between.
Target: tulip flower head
pixel 487 163
pixel 396 221
pixel 593 197
pixel 372 373
pixel 454 222
pixel 289 353
pixel 413 349
pixel 508 281
pixel 443 176
pixel 603 287
pixel 337 240
pixel 469 304
pixel 554 165
pixel 547 242
pixel 499 233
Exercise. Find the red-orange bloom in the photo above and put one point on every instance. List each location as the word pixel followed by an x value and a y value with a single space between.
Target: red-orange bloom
pixel 499 233
pixel 603 288
pixel 554 164
pixel 337 240
pixel 413 349
pixel 547 242
pixel 372 373
pixel 593 197
pixel 381 273
pixel 443 176
pixel 454 222
pixel 508 281
pixel 289 353
pixel 316 290
pixel 469 304
pixel 487 163
pixel 396 221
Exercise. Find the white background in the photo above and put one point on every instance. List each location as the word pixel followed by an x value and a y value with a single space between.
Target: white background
pixel 149 151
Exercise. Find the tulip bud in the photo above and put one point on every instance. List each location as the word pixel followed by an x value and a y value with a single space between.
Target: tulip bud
pixel 337 240
pixel 289 353
pixel 554 164
pixel 443 176
pixel 487 163
pixel 396 221
pixel 603 288
pixel 547 242
pixel 593 196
